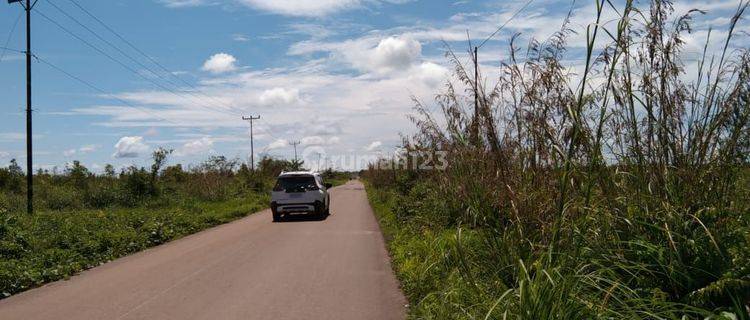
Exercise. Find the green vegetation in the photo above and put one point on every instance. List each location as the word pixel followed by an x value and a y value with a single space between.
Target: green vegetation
pixel 85 219
pixel 624 197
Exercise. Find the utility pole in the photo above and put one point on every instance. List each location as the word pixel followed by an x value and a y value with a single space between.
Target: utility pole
pixel 28 6
pixel 252 148
pixel 295 144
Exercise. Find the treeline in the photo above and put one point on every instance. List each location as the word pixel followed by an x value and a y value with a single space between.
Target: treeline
pixel 76 187
pixel 626 196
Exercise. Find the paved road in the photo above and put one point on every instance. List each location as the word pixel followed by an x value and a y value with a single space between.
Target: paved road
pixel 249 269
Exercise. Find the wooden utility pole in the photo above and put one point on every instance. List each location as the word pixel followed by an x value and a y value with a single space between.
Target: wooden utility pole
pixel 28 6
pixel 295 144
pixel 252 147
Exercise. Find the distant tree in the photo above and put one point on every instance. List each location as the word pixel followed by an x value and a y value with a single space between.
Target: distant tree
pixel 174 173
pixel 220 164
pixel 11 177
pixel 77 174
pixel 270 167
pixel 160 158
pixel 109 170
pixel 296 165
pixel 14 168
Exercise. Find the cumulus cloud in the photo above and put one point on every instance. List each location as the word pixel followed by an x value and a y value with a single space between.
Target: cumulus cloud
pixel 279 96
pixel 377 54
pixel 130 147
pixel 220 63
pixel 196 147
pixel 278 144
pixel 394 53
pixel 373 146
pixel 431 74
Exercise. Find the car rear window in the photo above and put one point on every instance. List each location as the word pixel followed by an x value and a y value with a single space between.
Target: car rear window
pixel 295 184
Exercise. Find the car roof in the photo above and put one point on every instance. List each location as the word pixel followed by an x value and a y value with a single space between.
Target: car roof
pixel 298 174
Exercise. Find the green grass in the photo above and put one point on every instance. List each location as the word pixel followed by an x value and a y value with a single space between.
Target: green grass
pixel 54 245
pixel 421 258
pixel 455 272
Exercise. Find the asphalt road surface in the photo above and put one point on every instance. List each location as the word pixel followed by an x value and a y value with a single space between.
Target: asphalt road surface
pixel 252 268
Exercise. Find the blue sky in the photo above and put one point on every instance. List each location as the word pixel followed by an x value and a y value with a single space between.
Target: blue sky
pixel 338 75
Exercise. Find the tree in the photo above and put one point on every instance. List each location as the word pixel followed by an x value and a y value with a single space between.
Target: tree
pixel 14 168
pixel 296 165
pixel 78 174
pixel 109 170
pixel 160 158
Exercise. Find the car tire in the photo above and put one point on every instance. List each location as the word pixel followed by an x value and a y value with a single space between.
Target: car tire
pixel 320 211
pixel 276 216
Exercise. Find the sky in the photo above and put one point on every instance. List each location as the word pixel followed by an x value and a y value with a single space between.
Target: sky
pixel 336 75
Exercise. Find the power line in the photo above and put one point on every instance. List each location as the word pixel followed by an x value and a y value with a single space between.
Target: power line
pixel 10 36
pixel 126 66
pixel 13 50
pixel 95 88
pixel 118 49
pixel 154 61
pixel 268 131
pixel 506 22
pixel 128 56
pixel 145 55
pixel 122 64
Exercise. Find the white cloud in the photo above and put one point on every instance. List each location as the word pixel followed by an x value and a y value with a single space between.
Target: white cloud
pixel 396 53
pixel 196 147
pixel 69 152
pixel 4 154
pixel 373 146
pixel 431 74
pixel 88 148
pixel 319 141
pixel 296 8
pixel 184 3
pixel 309 8
pixel 378 54
pixel 279 96
pixel 220 63
pixel 240 37
pixel 278 144
pixel 130 147
pixel 151 132
pixel 82 150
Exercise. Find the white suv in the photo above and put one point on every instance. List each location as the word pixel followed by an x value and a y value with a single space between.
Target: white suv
pixel 302 192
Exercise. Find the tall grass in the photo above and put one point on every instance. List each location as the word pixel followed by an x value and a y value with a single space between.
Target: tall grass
pixel 620 192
